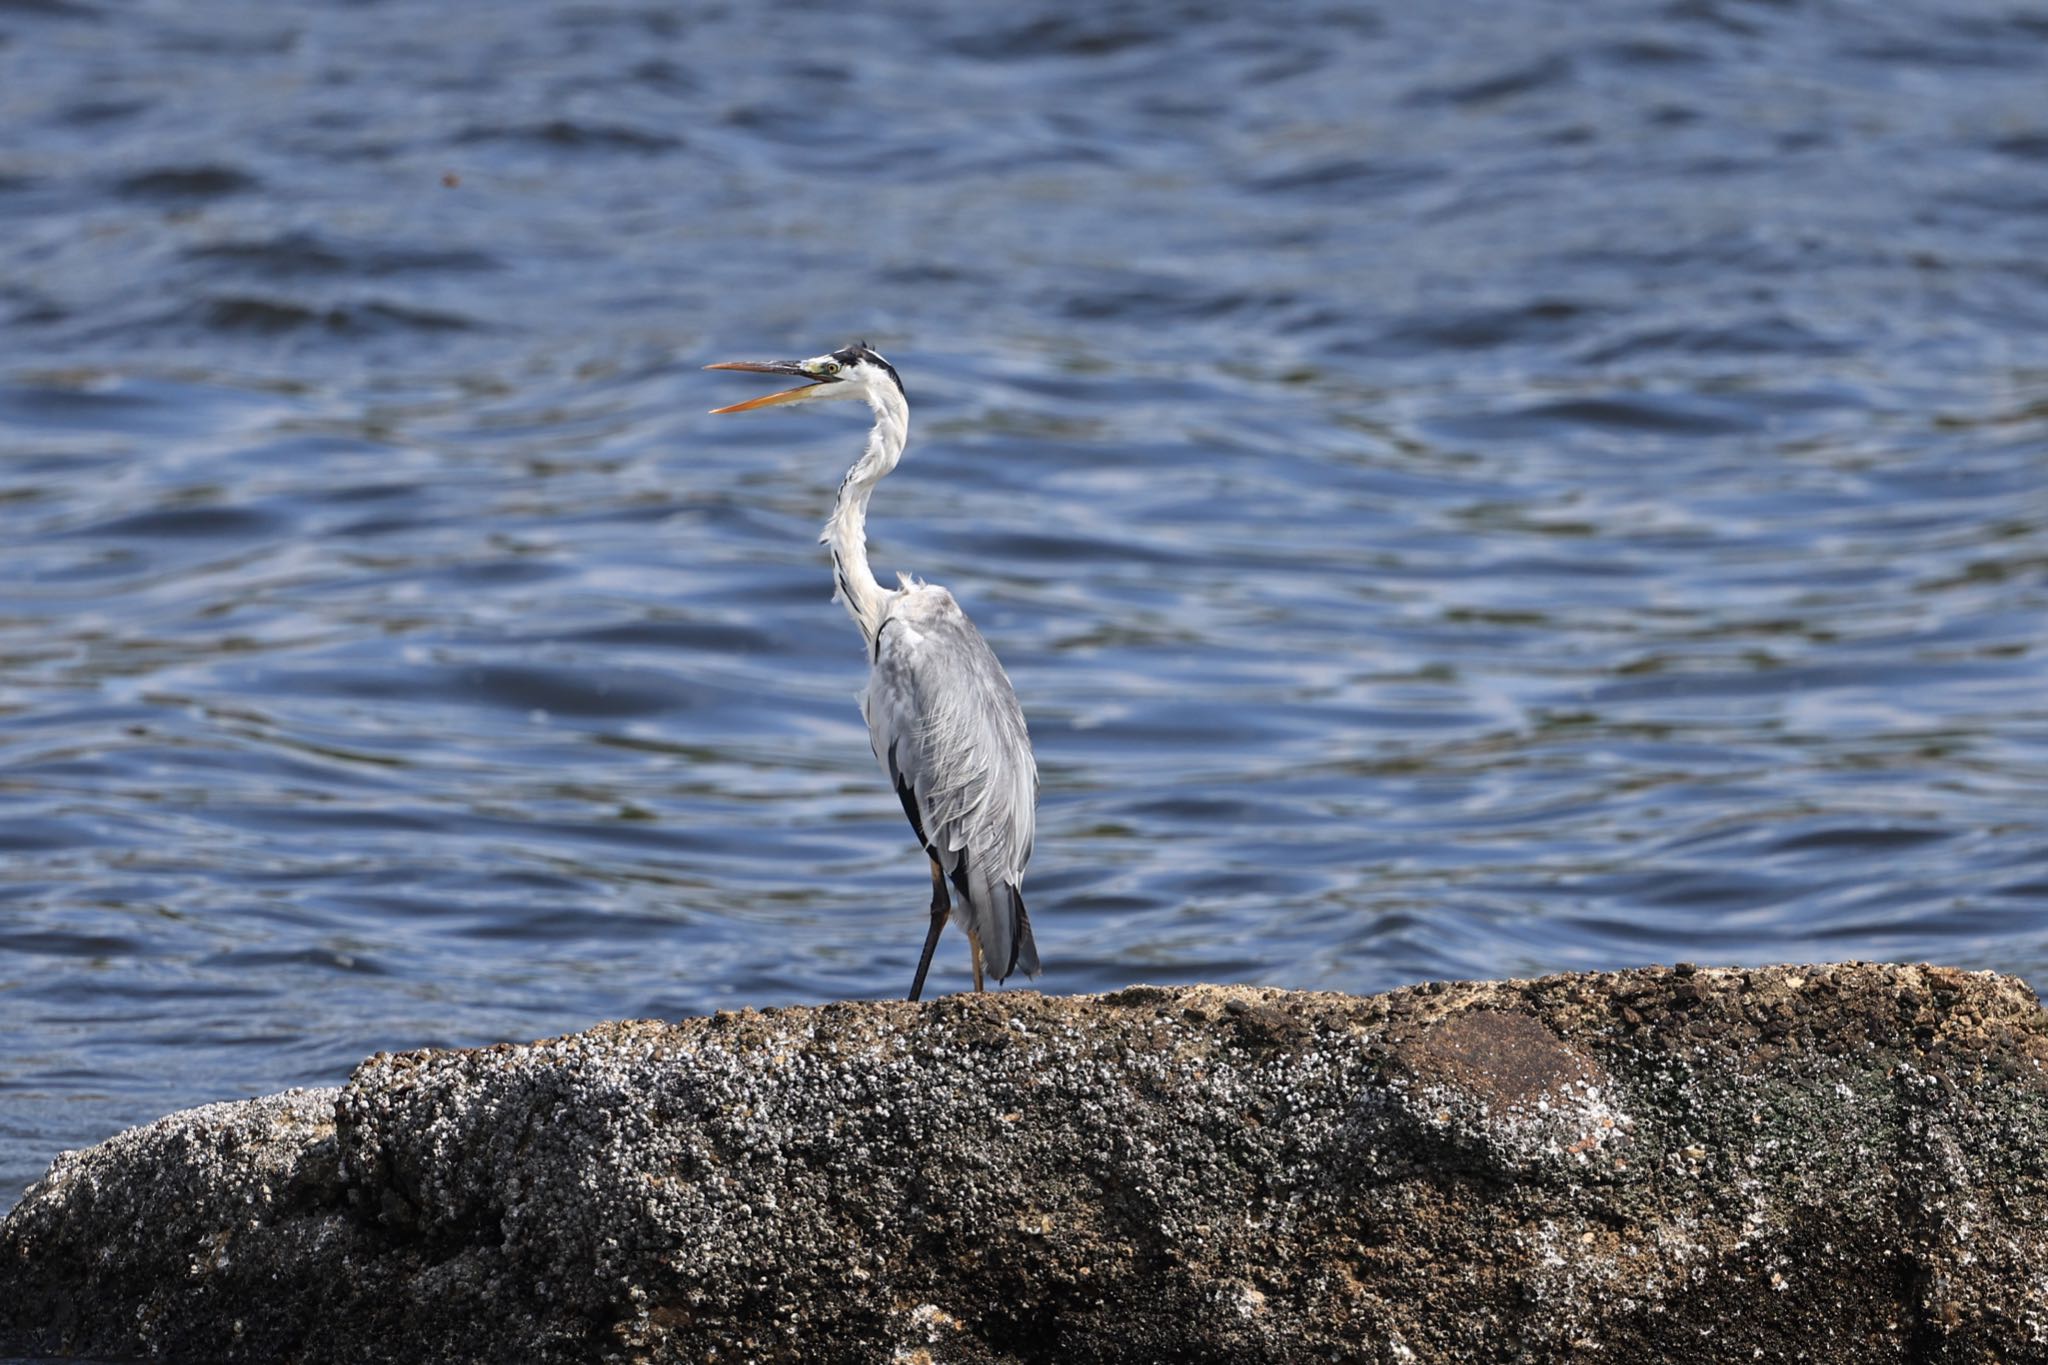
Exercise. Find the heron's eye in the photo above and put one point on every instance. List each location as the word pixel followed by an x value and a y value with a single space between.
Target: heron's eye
pixel 828 367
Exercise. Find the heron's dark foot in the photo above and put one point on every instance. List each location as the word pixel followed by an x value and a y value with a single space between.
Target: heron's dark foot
pixel 941 903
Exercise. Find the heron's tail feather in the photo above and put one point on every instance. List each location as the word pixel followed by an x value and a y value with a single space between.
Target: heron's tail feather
pixel 995 915
pixel 1023 948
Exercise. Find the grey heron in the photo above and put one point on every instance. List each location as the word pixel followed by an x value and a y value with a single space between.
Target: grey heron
pixel 941 714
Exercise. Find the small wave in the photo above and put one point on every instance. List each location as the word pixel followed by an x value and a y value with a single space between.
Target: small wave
pixel 1756 336
pixel 273 317
pixel 714 636
pixel 1351 175
pixel 1858 839
pixel 579 693
pixel 93 112
pixel 66 943
pixel 1652 52
pixel 2026 146
pixel 30 309
pixel 1549 71
pixel 41 834
pixel 1166 298
pixel 1053 548
pixel 663 75
pixel 1680 415
pixel 1671 414
pixel 210 523
pixel 68 400
pixel 564 134
pixel 185 182
pixel 50 9
pixel 1476 329
pixel 304 253
pixel 262 961
pixel 1056 36
pixel 1962 47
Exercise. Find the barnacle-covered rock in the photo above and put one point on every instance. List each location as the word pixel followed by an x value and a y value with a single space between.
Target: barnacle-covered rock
pixel 1834 1163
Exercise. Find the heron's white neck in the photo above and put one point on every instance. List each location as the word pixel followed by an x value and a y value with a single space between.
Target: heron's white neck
pixel 846 532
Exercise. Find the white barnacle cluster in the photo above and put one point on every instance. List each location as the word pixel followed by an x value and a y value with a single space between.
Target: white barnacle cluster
pixel 1576 1124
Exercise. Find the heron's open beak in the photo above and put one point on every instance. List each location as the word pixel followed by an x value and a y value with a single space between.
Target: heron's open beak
pixel 790 367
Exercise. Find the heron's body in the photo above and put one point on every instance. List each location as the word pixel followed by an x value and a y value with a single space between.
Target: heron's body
pixel 947 728
pixel 941 713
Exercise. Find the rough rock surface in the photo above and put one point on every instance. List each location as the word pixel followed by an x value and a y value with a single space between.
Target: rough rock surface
pixel 1844 1163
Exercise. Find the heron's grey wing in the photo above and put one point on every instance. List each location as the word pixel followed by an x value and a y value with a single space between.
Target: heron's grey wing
pixel 947 729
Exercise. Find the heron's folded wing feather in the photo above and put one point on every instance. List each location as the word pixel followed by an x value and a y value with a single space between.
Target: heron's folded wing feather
pixel 946 726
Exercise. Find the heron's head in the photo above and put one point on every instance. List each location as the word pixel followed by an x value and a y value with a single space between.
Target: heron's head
pixel 855 372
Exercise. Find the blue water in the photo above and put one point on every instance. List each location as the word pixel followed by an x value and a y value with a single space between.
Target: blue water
pixel 1535 488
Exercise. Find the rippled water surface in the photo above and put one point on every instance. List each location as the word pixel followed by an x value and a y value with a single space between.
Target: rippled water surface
pixel 1557 487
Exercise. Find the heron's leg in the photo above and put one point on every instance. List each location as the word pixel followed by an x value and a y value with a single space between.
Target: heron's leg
pixel 974 945
pixel 941 903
